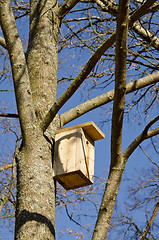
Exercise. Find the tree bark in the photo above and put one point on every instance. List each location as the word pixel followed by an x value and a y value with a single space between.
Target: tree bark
pixel 35 211
pixel 42 54
pixel 108 202
pixel 149 224
pixel 117 163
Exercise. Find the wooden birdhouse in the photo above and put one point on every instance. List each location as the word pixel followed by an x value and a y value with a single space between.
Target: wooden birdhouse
pixel 74 155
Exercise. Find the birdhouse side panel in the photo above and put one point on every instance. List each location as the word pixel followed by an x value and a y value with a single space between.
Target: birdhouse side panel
pixel 90 159
pixel 84 165
pixel 88 145
pixel 80 153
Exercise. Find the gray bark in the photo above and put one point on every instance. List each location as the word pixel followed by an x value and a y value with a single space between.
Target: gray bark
pixel 117 167
pixel 35 210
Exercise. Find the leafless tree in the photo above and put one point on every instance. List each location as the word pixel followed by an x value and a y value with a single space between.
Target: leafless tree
pixel 121 43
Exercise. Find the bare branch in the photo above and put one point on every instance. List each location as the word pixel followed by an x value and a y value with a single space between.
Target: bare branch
pixel 106 98
pixel 145 34
pixel 70 217
pixel 6 167
pixel 141 11
pixel 110 194
pixel 19 67
pixel 150 159
pixel 84 73
pixel 151 123
pixel 149 224
pixel 152 133
pixel 3 90
pixel 66 7
pixel 154 8
pixel 4 198
pixel 120 82
pixel 3 42
pixel 10 115
pixel 144 135
pixel 76 82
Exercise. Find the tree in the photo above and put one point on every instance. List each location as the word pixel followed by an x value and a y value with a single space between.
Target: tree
pixel 35 83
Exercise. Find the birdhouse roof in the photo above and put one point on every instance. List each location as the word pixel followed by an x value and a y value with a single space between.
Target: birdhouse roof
pixel 89 128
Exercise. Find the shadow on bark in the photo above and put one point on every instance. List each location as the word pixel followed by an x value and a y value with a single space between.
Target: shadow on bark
pixel 26 216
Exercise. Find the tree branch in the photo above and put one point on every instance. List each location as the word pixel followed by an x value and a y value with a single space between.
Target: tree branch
pixel 106 98
pixel 19 69
pixel 149 224
pixel 66 7
pixel 142 10
pixel 76 82
pixel 145 34
pixel 3 42
pixel 150 159
pixel 144 135
pixel 4 198
pixel 6 167
pixel 10 115
pixel 120 82
pixel 116 169
pixel 83 74
pixel 154 8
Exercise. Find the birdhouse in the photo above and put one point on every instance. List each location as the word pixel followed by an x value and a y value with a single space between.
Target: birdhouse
pixel 74 155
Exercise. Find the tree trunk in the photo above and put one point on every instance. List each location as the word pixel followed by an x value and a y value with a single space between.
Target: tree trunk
pixel 108 202
pixel 35 212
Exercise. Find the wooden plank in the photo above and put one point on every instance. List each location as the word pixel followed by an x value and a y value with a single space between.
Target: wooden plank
pixel 73 180
pixel 89 127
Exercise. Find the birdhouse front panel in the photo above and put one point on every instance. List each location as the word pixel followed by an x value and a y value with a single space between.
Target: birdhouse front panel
pixel 74 159
pixel 73 165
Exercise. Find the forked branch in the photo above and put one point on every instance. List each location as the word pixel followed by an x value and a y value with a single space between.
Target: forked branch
pixel 144 33
pixel 76 82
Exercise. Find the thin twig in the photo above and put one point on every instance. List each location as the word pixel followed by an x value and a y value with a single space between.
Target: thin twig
pixel 10 115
